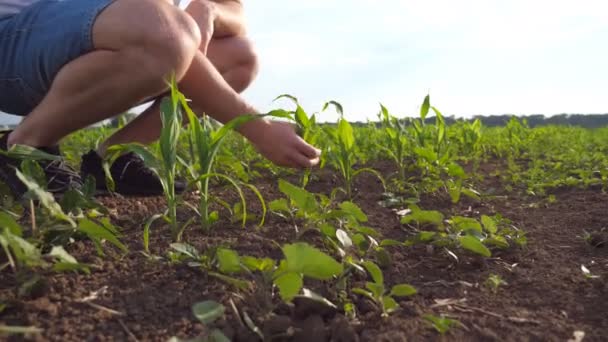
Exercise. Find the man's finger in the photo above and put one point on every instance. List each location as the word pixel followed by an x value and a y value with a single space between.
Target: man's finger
pixel 306 149
pixel 301 161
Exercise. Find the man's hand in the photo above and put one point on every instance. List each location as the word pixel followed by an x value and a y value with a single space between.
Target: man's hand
pixel 228 18
pixel 279 143
pixel 205 14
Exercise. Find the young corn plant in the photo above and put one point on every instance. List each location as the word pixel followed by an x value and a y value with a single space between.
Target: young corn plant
pixel 397 141
pixel 204 144
pixel 436 158
pixel 307 130
pixel 52 223
pixel 441 324
pixel 342 153
pixel 494 282
pixel 162 159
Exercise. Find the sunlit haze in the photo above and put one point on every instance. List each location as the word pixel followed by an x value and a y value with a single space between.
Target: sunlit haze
pixel 472 56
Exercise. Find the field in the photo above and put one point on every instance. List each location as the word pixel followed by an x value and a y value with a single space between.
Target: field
pixel 410 229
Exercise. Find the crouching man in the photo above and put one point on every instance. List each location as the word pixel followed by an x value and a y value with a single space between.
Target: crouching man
pixel 67 64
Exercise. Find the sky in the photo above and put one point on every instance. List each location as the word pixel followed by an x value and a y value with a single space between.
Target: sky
pixel 473 57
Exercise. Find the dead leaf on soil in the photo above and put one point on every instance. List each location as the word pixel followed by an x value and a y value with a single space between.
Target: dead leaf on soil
pixel 447 302
pixel 578 336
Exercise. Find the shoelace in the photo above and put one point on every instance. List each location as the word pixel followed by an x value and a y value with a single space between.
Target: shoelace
pixel 62 172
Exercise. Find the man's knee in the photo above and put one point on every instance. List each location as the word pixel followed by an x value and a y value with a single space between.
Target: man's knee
pixel 235 57
pixel 162 39
pixel 250 57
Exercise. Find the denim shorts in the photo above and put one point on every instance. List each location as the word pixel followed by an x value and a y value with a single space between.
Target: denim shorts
pixel 37 42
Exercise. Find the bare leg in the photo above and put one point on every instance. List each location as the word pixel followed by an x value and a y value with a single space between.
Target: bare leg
pixel 233 58
pixel 138 43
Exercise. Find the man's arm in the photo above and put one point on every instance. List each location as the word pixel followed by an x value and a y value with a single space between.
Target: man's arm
pixel 230 18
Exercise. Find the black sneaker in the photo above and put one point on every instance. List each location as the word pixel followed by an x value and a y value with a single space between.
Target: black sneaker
pixel 60 176
pixel 130 174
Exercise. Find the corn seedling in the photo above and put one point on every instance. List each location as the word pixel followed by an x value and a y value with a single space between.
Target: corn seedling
pixel 342 154
pixel 494 282
pixel 441 324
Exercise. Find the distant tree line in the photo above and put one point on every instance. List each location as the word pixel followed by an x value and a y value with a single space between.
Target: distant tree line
pixel 581 120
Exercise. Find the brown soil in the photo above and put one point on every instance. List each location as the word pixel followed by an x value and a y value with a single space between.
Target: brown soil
pixel 547 297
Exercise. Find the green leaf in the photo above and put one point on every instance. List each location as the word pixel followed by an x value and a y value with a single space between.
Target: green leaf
pixel 186 249
pixel 89 186
pixel 337 106
pixel 489 224
pixel 496 240
pixel 455 170
pixel 383 258
pixel 304 259
pixel 68 267
pixel 289 285
pixel 228 260
pixel 303 199
pixel 302 118
pixel 279 205
pixel 24 152
pixel 328 230
pixel 46 198
pixel 258 264
pixel 306 293
pixel 423 217
pixel 427 154
pixel 403 290
pixel 217 335
pixel 34 171
pixel 426 105
pixel 471 193
pixel 97 232
pixel 390 243
pixel 7 221
pixel 374 271
pixel 25 252
pixel 363 292
pixel 146 234
pixel 360 241
pixel 238 283
pixel 366 230
pixel 208 311
pixel 441 324
pixel 353 210
pixel 376 289
pixel 60 253
pixel 466 224
pixel 345 134
pixel 287 96
pixel 390 305
pixel 472 244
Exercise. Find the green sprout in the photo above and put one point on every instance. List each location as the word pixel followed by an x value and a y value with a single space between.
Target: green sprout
pixel 377 291
pixel 494 282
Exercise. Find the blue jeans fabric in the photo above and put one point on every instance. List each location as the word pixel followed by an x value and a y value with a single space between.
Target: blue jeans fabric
pixel 37 42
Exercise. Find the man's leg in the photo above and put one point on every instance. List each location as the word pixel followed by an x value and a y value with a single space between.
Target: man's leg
pixel 138 45
pixel 234 58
